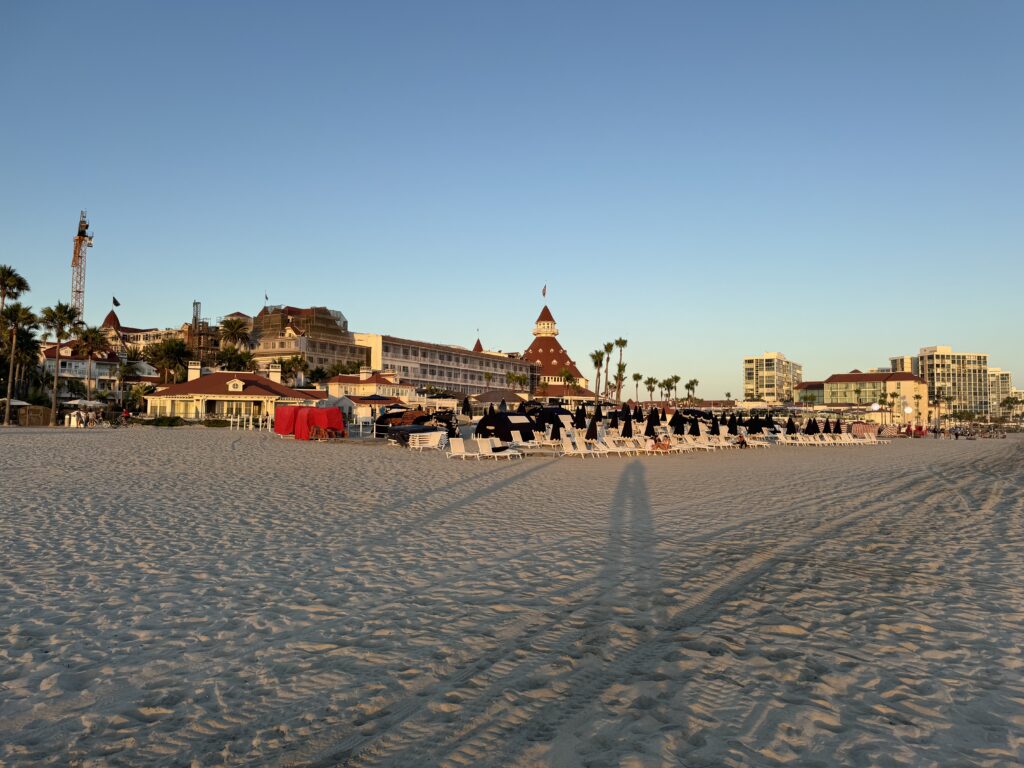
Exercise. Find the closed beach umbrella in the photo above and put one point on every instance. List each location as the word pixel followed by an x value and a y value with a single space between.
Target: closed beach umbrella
pixel 790 426
pixel 491 409
pixel 521 408
pixel 556 429
pixel 503 406
pixel 678 425
pixel 613 422
pixel 625 413
pixel 676 420
pixel 827 429
pixel 598 413
pixel 652 423
pixel 627 426
pixel 770 423
pixel 838 427
pixel 592 429
pixel 812 427
pixel 733 427
pixel 467 409
pixel 638 414
pixel 694 427
pixel 714 426
pixel 664 416
pixel 580 420
pixel 754 426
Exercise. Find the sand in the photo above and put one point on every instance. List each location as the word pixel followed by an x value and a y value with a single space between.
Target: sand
pixel 204 597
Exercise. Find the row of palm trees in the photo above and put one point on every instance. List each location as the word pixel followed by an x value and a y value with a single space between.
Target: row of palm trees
pixel 602 357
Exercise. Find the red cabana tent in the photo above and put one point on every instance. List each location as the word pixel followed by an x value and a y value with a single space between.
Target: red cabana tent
pixel 297 420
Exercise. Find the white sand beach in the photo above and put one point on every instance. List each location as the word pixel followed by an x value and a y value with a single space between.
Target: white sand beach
pixel 202 597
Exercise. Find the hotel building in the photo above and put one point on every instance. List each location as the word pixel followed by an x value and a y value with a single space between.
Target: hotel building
pixel 960 375
pixel 771 378
pixel 317 334
pixel 857 388
pixel 1000 387
pixel 554 364
pixel 445 367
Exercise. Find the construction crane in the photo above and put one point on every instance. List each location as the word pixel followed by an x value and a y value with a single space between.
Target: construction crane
pixel 82 241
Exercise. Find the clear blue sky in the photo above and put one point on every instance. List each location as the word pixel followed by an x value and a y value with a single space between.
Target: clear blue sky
pixel 839 182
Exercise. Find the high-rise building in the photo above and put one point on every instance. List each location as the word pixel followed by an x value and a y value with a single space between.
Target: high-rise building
pixel 1000 387
pixel 771 377
pixel 962 376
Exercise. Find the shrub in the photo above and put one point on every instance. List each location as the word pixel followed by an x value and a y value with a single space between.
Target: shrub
pixel 216 423
pixel 168 421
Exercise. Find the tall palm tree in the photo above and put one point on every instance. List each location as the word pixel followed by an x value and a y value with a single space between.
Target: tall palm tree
pixel 487 378
pixel 650 383
pixel 61 320
pixel 917 407
pixel 893 397
pixel 676 378
pixel 169 356
pixel 12 285
pixel 608 347
pixel 597 358
pixel 91 342
pixel 856 394
pixel 125 370
pixel 692 386
pixel 621 344
pixel 235 331
pixel 19 319
pixel 728 395
pixel 637 378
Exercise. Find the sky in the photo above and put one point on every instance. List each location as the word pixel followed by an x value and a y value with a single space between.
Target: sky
pixel 840 182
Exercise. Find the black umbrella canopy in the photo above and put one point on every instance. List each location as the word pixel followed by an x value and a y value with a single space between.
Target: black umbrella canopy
pixel 754 426
pixel 715 430
pixel 679 427
pixel 664 415
pixel 638 414
pixel 580 420
pixel 598 414
pixel 627 427
pixel 838 427
pixel 694 427
pixel 733 428
pixel 790 426
pixel 503 406
pixel 592 429
pixel 827 429
pixel 812 427
pixel 770 423
pixel 677 418
pixel 467 409
pixel 491 408
pixel 556 429
pixel 613 422
pixel 652 423
pixel 625 412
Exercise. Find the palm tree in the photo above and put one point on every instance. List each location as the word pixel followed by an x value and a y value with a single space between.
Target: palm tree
pixel 168 356
pixel 235 331
pixel 231 358
pixel 621 344
pixel 61 320
pixel 856 394
pixel 728 395
pixel 917 407
pixel 12 285
pixel 637 378
pixel 91 341
pixel 691 386
pixel 125 370
pixel 19 319
pixel 893 397
pixel 487 378
pixel 568 378
pixel 542 389
pixel 597 358
pixel 650 383
pixel 137 396
pixel 608 347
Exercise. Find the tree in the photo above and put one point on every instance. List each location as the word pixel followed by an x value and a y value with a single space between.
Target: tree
pixel 169 356
pixel 856 394
pixel 676 378
pixel 232 358
pixel 650 383
pixel 542 389
pixel 568 378
pixel 893 397
pixel 344 369
pixel 597 358
pixel 12 285
pixel 235 332
pixel 608 347
pixel 91 342
pixel 61 320
pixel 637 378
pixel 18 319
pixel 917 407
pixel 318 375
pixel 487 378
pixel 137 396
pixel 691 387
pixel 125 370
pixel 621 344
pixel 728 395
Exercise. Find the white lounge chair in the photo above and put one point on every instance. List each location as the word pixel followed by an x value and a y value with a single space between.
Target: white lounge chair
pixel 458 450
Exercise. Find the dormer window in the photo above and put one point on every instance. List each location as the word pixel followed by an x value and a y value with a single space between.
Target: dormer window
pixel 236 385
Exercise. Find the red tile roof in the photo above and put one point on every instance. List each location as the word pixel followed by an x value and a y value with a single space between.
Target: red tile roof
pixel 552 357
pixel 560 390
pixel 545 316
pixel 373 400
pixel 76 354
pixel 354 378
pixel 810 385
pixel 856 376
pixel 478 347
pixel 217 384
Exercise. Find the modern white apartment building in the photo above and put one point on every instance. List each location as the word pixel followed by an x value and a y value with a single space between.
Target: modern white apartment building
pixel 1000 387
pixel 771 377
pixel 962 376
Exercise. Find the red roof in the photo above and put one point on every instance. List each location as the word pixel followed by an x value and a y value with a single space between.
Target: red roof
pixel 354 378
pixel 478 347
pixel 217 384
pixel 100 357
pixel 551 356
pixel 111 320
pixel 858 376
pixel 560 390
pixel 373 400
pixel 545 316
pixel 810 385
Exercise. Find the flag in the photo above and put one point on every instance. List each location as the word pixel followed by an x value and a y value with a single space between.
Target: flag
pixel 544 291
pixel 116 302
pixel 265 297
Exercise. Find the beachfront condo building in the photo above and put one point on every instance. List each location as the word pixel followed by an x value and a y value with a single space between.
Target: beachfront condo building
pixel 318 335
pixel 446 367
pixel 961 377
pixel 1000 387
pixel 771 378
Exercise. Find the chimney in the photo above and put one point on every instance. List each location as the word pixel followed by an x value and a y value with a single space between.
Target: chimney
pixel 274 372
pixel 365 372
pixel 195 370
